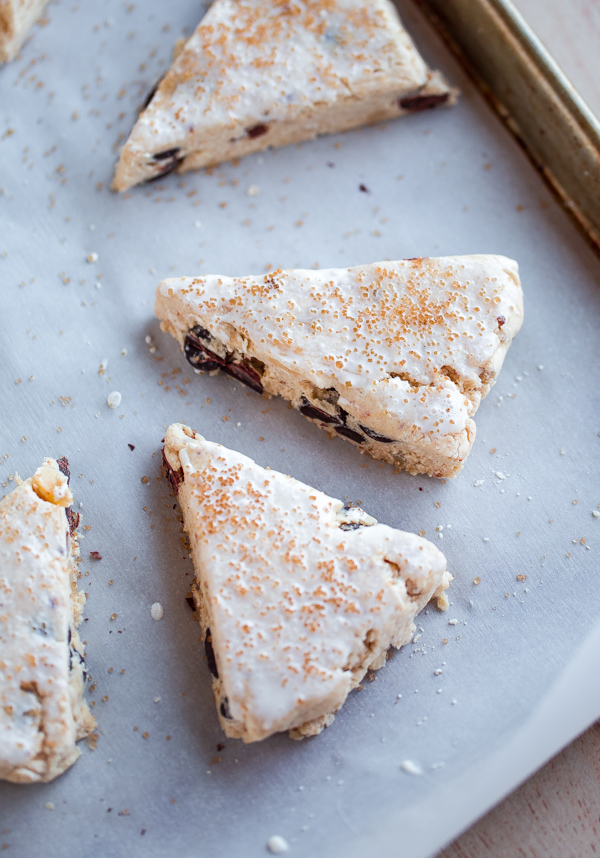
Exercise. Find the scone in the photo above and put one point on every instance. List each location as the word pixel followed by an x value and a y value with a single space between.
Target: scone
pixel 394 356
pixel 16 18
pixel 261 73
pixel 42 667
pixel 298 595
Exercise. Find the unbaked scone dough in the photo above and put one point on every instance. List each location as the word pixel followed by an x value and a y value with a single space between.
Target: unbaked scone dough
pixel 16 18
pixel 298 595
pixel 394 356
pixel 42 667
pixel 263 73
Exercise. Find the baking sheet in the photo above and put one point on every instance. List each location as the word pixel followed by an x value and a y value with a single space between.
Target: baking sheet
pixel 514 676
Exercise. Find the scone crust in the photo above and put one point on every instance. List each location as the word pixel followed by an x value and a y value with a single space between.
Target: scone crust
pixel 42 668
pixel 264 73
pixel 299 596
pixel 401 352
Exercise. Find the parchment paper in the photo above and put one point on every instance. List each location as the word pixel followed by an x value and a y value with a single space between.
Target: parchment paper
pixel 515 685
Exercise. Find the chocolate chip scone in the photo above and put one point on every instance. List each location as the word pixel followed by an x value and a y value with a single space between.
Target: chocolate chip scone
pixel 394 356
pixel 42 667
pixel 298 595
pixel 262 73
pixel 16 18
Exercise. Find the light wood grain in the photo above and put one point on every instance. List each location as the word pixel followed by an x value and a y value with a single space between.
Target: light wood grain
pixel 555 814
pixel 570 29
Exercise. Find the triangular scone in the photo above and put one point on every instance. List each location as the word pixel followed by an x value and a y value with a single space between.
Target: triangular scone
pixel 394 356
pixel 298 595
pixel 261 73
pixel 16 18
pixel 42 668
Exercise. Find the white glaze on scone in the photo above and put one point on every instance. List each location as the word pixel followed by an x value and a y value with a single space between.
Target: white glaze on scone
pixel 42 711
pixel 16 18
pixel 261 73
pixel 298 607
pixel 411 347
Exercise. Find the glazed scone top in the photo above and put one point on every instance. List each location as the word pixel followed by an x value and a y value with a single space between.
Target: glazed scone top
pixel 412 342
pixel 37 729
pixel 292 597
pixel 255 60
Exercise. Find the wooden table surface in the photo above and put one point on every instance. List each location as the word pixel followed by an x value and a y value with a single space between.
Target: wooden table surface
pixel 570 29
pixel 556 813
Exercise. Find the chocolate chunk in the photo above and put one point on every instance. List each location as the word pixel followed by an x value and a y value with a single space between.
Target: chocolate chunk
pixel 174 477
pixel 200 332
pixel 364 189
pixel 501 321
pixel 201 357
pixel 375 436
pixel 243 373
pixel 73 518
pixel 416 103
pixel 191 602
pixel 167 154
pixel 256 131
pixel 196 352
pixel 131 447
pixel 210 655
pixel 151 95
pixel 169 159
pixel 349 433
pixel 96 555
pixel 224 709
pixel 63 467
pixel 351 525
pixel 316 413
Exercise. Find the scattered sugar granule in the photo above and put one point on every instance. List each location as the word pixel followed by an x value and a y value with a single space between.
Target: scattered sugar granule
pixel 49 805
pixel 113 400
pixel 452 622
pixel 595 513
pixel 103 365
pixel 253 191
pixel 437 671
pixel 157 611
pixel 411 768
pixel 92 257
pixel 277 845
